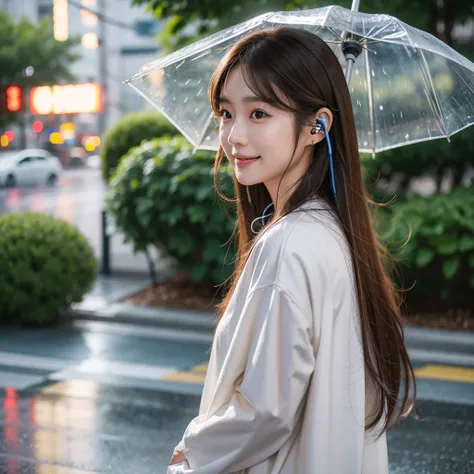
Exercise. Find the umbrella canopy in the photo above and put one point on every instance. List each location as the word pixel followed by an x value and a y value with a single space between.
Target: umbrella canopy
pixel 406 85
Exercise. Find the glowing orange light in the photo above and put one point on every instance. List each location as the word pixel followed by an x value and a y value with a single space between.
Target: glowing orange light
pixel 14 99
pixel 11 432
pixel 4 140
pixel 66 99
pixel 60 20
pixel 90 41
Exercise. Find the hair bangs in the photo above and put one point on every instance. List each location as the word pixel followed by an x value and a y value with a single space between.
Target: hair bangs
pixel 260 75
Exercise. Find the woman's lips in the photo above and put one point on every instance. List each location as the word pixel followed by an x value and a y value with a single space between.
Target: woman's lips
pixel 246 162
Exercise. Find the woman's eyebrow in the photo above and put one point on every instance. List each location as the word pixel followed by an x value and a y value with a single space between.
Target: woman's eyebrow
pixel 250 98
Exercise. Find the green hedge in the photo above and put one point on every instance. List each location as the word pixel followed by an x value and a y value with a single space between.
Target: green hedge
pixel 162 195
pixel 434 238
pixel 432 158
pixel 129 132
pixel 46 265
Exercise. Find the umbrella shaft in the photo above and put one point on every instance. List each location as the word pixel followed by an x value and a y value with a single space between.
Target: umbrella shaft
pixel 350 62
pixel 348 72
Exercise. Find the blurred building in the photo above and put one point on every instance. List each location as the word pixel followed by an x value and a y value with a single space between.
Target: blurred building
pixel 129 38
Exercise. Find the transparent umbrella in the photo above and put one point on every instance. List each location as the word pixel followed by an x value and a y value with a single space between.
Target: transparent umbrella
pixel 406 85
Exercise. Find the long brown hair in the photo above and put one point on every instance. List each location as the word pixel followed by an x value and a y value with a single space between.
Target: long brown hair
pixel 298 65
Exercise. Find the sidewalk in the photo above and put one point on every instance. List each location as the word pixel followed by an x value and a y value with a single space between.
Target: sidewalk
pixel 104 305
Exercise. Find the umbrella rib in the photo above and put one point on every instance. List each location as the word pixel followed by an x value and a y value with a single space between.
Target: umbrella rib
pixel 437 110
pixel 371 101
pixel 204 130
pixel 334 33
pixel 378 31
pixel 471 89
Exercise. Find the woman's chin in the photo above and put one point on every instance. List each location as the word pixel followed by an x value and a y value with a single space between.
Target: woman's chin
pixel 246 180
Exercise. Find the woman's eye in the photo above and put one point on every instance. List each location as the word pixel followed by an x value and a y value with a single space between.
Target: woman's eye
pixel 259 114
pixel 256 114
pixel 221 114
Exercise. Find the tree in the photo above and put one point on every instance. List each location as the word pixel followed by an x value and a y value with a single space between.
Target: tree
pixel 24 44
pixel 209 16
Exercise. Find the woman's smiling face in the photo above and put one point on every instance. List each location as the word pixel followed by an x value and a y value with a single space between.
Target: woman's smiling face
pixel 251 128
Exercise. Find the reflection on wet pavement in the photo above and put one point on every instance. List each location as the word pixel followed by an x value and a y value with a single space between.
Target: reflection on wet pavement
pixel 83 427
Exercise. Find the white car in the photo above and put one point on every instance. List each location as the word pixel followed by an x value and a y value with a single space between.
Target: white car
pixel 93 161
pixel 28 167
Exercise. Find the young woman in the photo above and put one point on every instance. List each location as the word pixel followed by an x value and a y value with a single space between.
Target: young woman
pixel 308 359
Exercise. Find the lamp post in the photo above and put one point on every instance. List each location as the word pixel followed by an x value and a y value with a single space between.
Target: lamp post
pixel 103 69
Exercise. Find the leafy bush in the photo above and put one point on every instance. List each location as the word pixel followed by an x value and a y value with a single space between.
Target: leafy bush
pixel 433 158
pixel 129 132
pixel 46 263
pixel 434 238
pixel 162 195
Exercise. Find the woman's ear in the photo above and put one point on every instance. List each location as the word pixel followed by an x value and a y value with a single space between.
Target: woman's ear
pixel 317 132
pixel 325 114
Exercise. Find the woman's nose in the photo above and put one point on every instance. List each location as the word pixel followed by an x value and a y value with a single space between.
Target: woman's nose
pixel 237 135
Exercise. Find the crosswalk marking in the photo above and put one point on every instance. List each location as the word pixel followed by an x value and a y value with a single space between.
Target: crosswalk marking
pixel 17 380
pixel 446 372
pixel 185 377
pixel 118 368
pixel 196 375
pixel 33 361
pixel 201 368
pixel 64 369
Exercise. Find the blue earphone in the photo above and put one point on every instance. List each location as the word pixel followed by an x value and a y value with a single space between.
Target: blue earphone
pixel 331 163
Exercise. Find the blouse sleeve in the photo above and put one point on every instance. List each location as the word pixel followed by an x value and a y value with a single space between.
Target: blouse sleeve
pixel 264 409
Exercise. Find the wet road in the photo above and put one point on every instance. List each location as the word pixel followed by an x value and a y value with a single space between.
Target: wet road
pixel 77 198
pixel 94 399
pixel 86 427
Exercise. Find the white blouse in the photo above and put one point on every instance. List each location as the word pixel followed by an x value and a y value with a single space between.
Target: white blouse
pixel 285 391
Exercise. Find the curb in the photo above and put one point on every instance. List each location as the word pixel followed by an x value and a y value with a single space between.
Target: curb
pixel 439 339
pixel 443 346
pixel 124 313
